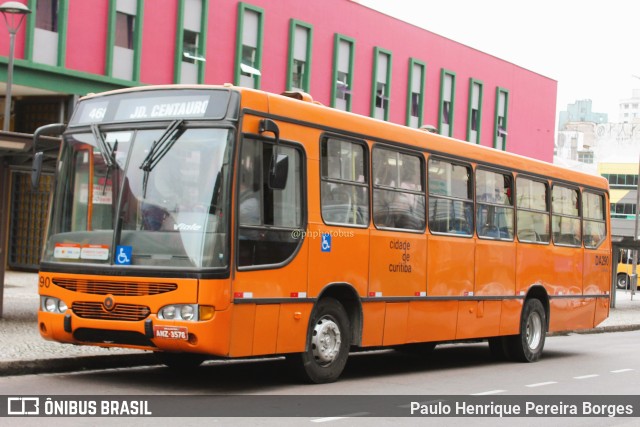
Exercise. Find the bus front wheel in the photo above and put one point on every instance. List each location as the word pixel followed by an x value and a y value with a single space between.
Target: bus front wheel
pixel 328 341
pixel 528 345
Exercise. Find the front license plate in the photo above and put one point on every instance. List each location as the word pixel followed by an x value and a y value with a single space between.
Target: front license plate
pixel 171 332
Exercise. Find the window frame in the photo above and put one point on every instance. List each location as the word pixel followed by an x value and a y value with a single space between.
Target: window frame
pixel 505 119
pixel 200 60
pixel 386 97
pixel 413 63
pixel 586 219
pixel 293 25
pixel 441 104
pixel 338 38
pixel 242 9
pixel 480 84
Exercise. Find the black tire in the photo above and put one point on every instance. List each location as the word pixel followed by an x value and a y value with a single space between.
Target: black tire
pixel 498 346
pixel 328 342
pixel 528 345
pixel 622 281
pixel 180 361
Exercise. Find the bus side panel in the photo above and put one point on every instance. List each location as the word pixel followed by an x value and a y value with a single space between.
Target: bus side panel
pixel 265 331
pixel 478 319
pixel 602 311
pixel 450 266
pixel 242 326
pixel 216 293
pixel 597 271
pixel 495 268
pixel 510 317
pixel 395 323
pixel 432 321
pixel 571 313
pixel 534 264
pixel 567 269
pixel 292 329
pixel 373 323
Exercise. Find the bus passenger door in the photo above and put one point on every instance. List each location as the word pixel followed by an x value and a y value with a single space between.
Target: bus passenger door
pixel 271 256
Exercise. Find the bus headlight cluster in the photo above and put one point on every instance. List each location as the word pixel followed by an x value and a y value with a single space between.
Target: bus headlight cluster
pixel 187 312
pixel 52 305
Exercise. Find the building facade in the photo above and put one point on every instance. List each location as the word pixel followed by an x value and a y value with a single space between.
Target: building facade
pixel 344 54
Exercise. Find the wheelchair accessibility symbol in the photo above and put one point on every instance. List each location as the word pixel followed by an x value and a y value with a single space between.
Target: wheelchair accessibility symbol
pixel 326 243
pixel 123 255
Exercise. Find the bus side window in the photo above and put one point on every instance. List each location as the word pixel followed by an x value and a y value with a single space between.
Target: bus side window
pixel 533 210
pixel 398 190
pixel 565 221
pixel 267 217
pixel 450 198
pixel 344 183
pixel 494 214
pixel 595 228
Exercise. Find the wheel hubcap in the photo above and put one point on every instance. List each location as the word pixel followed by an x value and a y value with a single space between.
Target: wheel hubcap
pixel 325 341
pixel 534 330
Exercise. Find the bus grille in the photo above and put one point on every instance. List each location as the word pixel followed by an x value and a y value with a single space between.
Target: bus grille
pixel 123 312
pixel 99 287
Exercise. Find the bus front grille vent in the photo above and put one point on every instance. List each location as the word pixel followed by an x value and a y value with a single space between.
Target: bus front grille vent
pixel 122 312
pixel 105 287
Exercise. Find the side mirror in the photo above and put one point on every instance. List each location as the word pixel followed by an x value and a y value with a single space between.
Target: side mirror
pixel 38 156
pixel 279 171
pixel 36 169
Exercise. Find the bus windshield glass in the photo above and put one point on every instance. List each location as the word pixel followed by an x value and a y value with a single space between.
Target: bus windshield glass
pixel 143 197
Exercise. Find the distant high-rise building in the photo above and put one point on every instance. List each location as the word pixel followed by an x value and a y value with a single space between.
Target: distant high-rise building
pixel 580 111
pixel 630 108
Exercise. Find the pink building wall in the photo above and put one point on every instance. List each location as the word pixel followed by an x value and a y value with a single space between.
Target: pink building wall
pixel 532 97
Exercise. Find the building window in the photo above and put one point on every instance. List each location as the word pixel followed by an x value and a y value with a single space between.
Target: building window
pixel 190 56
pixel 345 184
pixel 125 27
pixel 343 55
pixel 249 46
pixel 474 118
pixel 500 131
pixel 381 87
pixel 415 95
pixel 447 100
pixel 300 40
pixel 47 15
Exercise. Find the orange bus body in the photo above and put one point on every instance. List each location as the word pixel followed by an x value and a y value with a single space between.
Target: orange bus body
pixel 396 287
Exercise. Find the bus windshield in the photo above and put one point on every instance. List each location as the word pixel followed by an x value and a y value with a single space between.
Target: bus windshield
pixel 143 197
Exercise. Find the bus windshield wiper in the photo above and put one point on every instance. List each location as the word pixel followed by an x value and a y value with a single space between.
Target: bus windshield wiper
pixel 106 151
pixel 159 149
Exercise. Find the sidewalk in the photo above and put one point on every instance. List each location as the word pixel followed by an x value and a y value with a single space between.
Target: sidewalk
pixel 23 351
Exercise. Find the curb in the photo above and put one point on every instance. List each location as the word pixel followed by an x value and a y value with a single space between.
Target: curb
pixel 72 364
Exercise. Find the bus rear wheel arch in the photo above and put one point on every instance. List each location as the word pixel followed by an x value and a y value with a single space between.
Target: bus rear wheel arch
pixel 527 346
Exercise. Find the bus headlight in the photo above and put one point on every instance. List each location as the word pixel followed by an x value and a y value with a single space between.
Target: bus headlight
pixel 188 312
pixel 52 305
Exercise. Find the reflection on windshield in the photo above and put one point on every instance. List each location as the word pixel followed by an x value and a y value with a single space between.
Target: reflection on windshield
pixel 172 214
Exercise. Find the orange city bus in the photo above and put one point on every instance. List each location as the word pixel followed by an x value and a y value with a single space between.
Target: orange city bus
pixel 218 221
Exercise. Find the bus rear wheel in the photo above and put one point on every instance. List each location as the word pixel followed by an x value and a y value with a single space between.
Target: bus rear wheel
pixel 328 341
pixel 528 345
pixel 622 281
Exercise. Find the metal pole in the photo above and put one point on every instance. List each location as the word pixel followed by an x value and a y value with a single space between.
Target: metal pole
pixel 4 186
pixel 7 98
